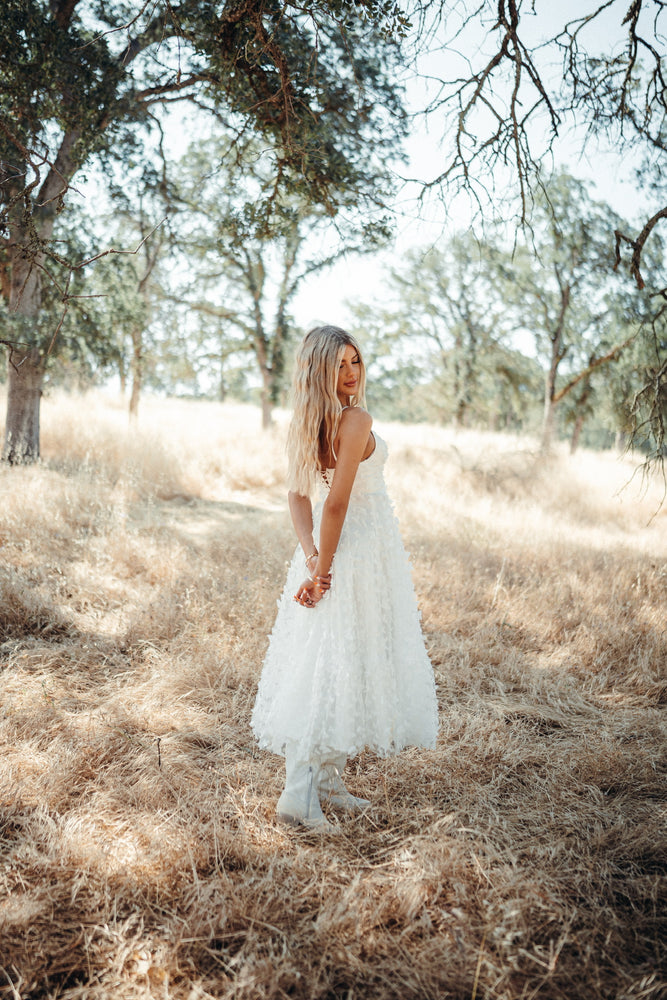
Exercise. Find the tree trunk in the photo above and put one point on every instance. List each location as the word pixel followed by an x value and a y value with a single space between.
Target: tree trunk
pixel 24 389
pixel 576 432
pixel 266 395
pixel 134 397
pixel 25 367
pixel 122 375
pixel 25 373
pixel 548 420
pixel 461 413
pixel 137 369
pixel 582 404
pixel 267 408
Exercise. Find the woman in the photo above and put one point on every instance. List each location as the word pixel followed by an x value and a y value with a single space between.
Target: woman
pixel 346 666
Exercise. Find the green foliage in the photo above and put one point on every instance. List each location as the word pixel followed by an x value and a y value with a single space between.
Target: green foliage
pixel 84 81
pixel 442 348
pixel 241 251
pixel 322 91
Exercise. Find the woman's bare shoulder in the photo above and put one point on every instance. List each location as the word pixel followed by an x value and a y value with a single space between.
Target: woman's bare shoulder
pixel 355 420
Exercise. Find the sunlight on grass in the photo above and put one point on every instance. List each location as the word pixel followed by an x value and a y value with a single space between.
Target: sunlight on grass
pixel 141 857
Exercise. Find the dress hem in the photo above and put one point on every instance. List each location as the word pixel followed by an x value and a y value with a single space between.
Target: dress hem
pixel 350 751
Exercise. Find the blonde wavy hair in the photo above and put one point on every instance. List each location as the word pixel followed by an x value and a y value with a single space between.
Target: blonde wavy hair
pixel 315 403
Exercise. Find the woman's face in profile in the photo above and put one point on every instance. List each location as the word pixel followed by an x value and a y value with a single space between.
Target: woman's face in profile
pixel 349 374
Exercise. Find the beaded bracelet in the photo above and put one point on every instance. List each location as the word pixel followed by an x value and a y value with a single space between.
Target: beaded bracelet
pixel 313 555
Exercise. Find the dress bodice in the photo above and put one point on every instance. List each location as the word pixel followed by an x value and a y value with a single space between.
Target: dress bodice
pixel 370 474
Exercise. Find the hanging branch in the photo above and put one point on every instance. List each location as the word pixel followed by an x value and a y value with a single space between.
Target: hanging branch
pixel 493 106
pixel 637 245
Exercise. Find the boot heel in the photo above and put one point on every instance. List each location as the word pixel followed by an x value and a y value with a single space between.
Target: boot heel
pixel 331 785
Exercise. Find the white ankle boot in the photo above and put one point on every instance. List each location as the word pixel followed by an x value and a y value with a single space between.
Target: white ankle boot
pixel 331 788
pixel 299 804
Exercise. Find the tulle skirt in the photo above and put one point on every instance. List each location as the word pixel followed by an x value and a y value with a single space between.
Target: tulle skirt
pixel 352 672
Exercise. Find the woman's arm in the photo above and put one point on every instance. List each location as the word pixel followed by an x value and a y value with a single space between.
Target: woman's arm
pixel 301 511
pixel 355 426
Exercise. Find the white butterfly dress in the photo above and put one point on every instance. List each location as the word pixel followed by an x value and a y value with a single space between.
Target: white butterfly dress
pixel 352 672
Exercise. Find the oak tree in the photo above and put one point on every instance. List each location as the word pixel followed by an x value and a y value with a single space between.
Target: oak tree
pixel 242 256
pixel 83 79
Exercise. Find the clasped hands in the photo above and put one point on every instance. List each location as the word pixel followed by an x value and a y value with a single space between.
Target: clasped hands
pixel 312 591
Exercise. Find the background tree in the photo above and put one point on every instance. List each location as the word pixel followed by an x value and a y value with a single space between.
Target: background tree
pixel 460 311
pixel 242 265
pixel 448 299
pixel 143 223
pixel 81 79
pixel 506 109
pixel 563 292
pixel 448 314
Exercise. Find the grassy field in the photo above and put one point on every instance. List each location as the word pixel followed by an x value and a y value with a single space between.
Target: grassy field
pixel 139 853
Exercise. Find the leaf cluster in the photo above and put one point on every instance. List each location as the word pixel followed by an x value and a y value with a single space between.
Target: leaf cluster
pixel 317 79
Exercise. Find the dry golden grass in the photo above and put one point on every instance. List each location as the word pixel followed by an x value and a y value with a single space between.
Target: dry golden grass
pixel 140 856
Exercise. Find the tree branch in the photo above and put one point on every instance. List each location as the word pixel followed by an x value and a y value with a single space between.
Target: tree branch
pixel 591 366
pixel 169 88
pixel 161 27
pixel 207 309
pixel 637 246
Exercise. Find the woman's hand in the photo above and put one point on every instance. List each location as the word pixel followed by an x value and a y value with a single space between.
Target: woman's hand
pixel 311 592
pixel 308 594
